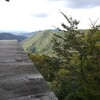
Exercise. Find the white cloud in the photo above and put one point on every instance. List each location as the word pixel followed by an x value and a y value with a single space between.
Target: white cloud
pixel 32 15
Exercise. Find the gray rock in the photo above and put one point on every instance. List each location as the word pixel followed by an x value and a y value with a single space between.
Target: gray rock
pixel 19 78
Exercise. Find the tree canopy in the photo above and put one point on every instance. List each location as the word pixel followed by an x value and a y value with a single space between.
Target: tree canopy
pixel 78 54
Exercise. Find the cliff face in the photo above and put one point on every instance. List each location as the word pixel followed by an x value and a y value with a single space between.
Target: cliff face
pixel 19 78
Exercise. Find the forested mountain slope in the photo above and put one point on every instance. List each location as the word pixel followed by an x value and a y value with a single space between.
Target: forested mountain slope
pixel 38 43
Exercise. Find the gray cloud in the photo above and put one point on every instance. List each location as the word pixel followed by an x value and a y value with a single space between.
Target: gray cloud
pixel 80 3
pixel 40 15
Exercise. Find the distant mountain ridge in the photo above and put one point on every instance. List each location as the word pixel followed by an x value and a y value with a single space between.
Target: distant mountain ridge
pixel 9 36
pixel 36 32
pixel 26 33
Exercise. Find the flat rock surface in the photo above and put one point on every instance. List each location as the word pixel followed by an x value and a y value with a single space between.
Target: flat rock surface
pixel 19 78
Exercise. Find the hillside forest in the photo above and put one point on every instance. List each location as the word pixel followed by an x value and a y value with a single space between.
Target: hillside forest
pixel 70 60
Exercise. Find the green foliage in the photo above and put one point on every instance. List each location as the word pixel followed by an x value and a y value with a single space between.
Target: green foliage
pixel 46 65
pixel 78 54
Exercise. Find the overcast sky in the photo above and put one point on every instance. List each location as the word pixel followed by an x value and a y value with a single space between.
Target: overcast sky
pixel 33 15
